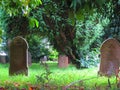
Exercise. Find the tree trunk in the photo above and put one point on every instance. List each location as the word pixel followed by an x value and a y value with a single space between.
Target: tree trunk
pixel 63 41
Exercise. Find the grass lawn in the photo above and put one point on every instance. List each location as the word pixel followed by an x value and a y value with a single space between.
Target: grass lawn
pixel 58 77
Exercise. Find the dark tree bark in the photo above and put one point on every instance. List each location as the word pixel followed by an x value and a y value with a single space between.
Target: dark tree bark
pixel 63 36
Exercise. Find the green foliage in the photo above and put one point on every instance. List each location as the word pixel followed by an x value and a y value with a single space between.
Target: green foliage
pixel 15 7
pixel 91 59
pixel 34 46
pixel 58 77
pixel 44 77
pixel 53 55
pixel 2 23
pixel 1 33
pixel 56 20
pixel 88 34
pixel 75 4
pixel 37 47
pixel 33 22
pixel 113 29
pixel 24 26
pixel 88 29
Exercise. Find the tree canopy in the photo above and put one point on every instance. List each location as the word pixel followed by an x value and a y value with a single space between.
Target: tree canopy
pixel 73 27
pixel 15 7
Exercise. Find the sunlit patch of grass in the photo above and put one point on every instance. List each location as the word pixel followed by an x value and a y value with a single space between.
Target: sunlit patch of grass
pixel 58 77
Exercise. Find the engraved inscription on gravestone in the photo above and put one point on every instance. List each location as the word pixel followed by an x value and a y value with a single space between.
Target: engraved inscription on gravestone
pixel 18 56
pixel 110 57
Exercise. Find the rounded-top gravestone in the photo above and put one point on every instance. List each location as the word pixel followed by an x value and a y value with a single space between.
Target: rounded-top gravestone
pixel 110 57
pixel 18 56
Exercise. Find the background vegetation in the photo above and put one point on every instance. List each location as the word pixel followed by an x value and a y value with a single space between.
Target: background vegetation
pixel 75 28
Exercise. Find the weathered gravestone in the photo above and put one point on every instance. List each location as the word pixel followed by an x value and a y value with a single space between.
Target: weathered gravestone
pixel 3 56
pixel 43 59
pixel 62 61
pixel 18 56
pixel 110 57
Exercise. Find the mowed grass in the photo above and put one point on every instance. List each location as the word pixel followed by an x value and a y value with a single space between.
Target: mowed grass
pixel 58 77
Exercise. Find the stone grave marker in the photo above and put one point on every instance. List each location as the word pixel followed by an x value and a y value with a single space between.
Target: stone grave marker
pixel 62 61
pixel 110 57
pixel 43 59
pixel 18 56
pixel 3 57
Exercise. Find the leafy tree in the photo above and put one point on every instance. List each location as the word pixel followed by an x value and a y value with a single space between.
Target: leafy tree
pixel 15 19
pixel 37 47
pixel 113 29
pixel 15 16
pixel 64 22
pixel 70 30
pixel 15 7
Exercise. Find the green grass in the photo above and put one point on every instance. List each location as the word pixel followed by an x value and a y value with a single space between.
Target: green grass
pixel 58 77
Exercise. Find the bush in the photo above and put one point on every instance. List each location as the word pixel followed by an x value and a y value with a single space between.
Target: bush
pixel 37 47
pixel 92 59
pixel 88 37
pixel 53 55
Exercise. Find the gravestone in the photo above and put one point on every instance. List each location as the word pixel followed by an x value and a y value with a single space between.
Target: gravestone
pixel 2 59
pixel 3 56
pixel 18 56
pixel 110 57
pixel 43 59
pixel 62 61
pixel 29 59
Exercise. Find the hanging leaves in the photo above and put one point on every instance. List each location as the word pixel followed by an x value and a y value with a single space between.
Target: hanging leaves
pixel 33 22
pixel 15 7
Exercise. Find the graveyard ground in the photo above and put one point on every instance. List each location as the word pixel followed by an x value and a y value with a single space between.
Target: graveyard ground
pixel 57 77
